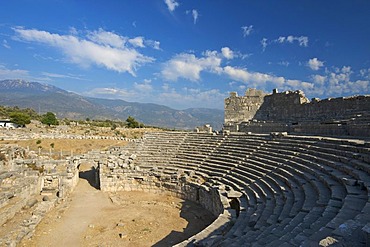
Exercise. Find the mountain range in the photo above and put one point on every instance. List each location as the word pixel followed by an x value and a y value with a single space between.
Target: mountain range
pixel 47 98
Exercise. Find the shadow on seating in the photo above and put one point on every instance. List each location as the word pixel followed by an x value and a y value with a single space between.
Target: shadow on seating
pixel 197 219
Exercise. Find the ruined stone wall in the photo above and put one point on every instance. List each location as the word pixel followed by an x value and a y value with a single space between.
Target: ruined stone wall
pixel 23 178
pixel 295 107
pixel 115 176
pixel 17 188
pixel 243 108
pixel 282 106
pixel 291 111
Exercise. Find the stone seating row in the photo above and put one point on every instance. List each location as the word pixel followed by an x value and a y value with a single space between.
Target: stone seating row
pixel 257 196
pixel 361 195
pixel 295 190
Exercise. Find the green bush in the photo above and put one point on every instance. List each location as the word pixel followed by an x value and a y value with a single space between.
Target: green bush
pixel 49 119
pixel 20 118
pixel 132 123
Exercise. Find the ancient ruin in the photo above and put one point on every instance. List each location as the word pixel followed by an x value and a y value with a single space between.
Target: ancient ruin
pixel 281 188
pixel 292 112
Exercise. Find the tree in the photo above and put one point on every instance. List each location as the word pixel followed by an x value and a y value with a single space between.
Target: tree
pixel 20 118
pixel 49 118
pixel 132 123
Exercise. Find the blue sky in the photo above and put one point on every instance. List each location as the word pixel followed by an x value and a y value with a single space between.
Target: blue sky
pixel 188 53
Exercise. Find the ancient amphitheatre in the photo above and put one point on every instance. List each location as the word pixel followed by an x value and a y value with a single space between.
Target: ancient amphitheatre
pixel 285 171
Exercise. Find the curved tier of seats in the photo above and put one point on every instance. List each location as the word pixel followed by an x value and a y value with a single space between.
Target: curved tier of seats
pixel 296 190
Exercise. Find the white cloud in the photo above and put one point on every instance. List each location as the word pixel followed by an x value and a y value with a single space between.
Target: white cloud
pixel 227 53
pixel 165 86
pixel 152 43
pixel 284 63
pixel 242 87
pixel 319 79
pixel 146 86
pixel 264 44
pixel 106 38
pixel 260 80
pixel 247 30
pixel 237 74
pixel 338 82
pixel 315 64
pixel 55 75
pixel 340 75
pixel 5 44
pixel 175 98
pixel 365 73
pixel 190 97
pixel 111 39
pixel 110 93
pixel 171 5
pixel 6 73
pixel 73 31
pixel 137 42
pixel 230 54
pixel 188 66
pixel 252 78
pixel 195 15
pixel 346 69
pixel 102 49
pixel 302 40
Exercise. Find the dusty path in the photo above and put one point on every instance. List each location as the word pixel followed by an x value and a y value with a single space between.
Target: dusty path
pixel 65 226
pixel 90 218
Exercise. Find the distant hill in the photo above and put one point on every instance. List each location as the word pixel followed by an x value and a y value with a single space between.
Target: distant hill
pixel 65 104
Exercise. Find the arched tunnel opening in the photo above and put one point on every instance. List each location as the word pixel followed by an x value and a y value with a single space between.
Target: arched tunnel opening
pixel 90 173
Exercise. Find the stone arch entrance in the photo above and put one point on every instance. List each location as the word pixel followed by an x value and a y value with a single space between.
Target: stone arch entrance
pixel 89 171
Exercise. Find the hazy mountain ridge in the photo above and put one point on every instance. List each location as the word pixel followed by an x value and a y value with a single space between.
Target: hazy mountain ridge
pixel 29 87
pixel 43 98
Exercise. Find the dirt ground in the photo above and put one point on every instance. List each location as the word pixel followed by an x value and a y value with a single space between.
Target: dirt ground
pixel 65 146
pixel 62 147
pixel 91 217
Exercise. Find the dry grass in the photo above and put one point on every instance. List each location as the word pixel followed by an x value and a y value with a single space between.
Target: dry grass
pixel 74 146
pixel 66 146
